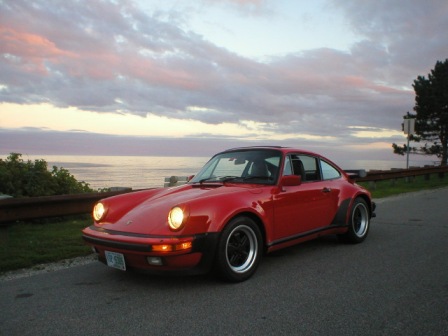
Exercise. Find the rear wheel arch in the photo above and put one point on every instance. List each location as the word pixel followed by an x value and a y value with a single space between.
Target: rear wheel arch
pixel 367 200
pixel 358 222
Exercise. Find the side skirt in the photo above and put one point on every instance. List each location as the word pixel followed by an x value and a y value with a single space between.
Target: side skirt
pixel 292 240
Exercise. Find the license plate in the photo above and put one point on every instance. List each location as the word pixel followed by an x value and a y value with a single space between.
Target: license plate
pixel 115 260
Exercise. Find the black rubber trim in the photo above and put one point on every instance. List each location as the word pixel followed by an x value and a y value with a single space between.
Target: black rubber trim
pixel 117 244
pixel 305 234
pixel 341 215
pixel 373 214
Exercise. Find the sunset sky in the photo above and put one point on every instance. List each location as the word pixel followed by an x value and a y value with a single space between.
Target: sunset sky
pixel 153 77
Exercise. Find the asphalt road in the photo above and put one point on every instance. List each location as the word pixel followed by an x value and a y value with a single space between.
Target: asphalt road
pixel 395 283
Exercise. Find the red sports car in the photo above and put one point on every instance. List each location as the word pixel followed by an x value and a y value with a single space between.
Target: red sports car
pixel 243 203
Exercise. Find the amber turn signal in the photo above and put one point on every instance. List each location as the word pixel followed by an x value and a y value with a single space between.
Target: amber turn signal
pixel 172 247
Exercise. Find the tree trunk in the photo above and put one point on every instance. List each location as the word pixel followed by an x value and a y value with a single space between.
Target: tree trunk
pixel 444 154
pixel 444 141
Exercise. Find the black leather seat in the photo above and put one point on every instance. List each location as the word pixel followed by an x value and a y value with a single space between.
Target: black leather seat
pixel 259 169
pixel 299 169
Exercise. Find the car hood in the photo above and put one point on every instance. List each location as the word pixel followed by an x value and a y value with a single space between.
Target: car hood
pixel 151 216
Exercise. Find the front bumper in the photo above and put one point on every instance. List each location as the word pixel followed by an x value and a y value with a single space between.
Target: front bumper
pixel 136 248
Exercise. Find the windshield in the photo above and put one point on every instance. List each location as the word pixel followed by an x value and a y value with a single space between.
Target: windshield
pixel 245 166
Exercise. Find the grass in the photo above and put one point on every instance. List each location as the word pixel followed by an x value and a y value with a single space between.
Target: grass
pixel 388 188
pixel 28 244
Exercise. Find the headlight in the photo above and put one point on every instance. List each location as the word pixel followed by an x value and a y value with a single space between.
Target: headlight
pixel 99 211
pixel 176 218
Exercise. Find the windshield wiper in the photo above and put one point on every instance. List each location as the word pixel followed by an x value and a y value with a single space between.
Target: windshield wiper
pixel 257 178
pixel 207 179
pixel 229 178
pixel 219 179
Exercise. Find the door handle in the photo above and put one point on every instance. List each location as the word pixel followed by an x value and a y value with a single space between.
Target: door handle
pixel 326 190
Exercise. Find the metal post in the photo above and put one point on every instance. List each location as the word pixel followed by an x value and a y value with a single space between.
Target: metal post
pixel 407 155
pixel 409 129
pixel 407 146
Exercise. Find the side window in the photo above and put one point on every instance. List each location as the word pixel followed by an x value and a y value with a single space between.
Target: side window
pixel 328 171
pixel 311 168
pixel 293 166
pixel 287 167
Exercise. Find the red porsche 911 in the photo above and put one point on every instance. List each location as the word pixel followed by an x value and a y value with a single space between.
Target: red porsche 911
pixel 243 203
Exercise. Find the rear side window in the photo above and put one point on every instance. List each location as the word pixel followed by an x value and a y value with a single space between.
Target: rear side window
pixel 328 171
pixel 302 165
pixel 310 164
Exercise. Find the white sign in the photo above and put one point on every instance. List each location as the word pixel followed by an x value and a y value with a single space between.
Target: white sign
pixel 409 126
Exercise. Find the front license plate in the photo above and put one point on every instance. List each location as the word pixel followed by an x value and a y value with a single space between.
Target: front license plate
pixel 115 260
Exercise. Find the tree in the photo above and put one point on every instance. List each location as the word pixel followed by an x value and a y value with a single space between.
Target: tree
pixel 21 178
pixel 431 107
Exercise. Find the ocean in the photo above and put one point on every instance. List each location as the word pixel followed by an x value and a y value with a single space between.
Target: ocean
pixel 140 172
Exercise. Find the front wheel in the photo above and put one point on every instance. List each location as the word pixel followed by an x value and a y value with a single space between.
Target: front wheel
pixel 239 250
pixel 359 223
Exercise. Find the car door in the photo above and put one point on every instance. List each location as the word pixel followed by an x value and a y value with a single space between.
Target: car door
pixel 310 205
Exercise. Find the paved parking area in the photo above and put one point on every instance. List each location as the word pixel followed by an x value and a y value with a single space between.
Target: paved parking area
pixel 395 283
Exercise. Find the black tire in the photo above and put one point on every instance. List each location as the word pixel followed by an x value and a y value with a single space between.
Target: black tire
pixel 239 250
pixel 359 223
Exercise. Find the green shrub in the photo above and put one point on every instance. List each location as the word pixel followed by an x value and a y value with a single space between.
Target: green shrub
pixel 20 178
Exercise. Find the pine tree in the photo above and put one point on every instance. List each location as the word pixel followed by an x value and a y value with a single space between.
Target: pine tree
pixel 431 107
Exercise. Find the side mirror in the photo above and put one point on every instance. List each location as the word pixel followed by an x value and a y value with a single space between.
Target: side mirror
pixel 291 180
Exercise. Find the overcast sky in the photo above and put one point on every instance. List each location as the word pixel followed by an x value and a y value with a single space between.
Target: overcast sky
pixel 170 77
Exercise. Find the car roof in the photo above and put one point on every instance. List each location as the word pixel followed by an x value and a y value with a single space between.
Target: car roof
pixel 282 149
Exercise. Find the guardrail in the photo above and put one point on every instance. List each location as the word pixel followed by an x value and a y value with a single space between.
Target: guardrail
pixel 394 174
pixel 14 209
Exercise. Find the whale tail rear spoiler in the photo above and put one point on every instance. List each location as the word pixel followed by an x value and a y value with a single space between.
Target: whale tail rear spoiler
pixel 356 173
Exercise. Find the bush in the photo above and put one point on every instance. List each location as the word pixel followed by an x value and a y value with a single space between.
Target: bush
pixel 20 178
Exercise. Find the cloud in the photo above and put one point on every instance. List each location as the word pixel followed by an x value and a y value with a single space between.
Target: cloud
pixel 244 7
pixel 411 31
pixel 110 56
pixel 37 141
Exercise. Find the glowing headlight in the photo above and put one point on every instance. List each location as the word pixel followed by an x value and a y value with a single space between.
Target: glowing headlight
pixel 176 218
pixel 98 211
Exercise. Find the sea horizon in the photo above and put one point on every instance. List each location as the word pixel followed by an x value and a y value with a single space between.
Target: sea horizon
pixel 141 172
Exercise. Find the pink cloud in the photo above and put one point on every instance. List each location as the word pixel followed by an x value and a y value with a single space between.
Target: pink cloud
pixel 26 44
pixel 32 50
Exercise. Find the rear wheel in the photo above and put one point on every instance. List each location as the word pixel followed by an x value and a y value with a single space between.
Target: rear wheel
pixel 359 222
pixel 239 250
